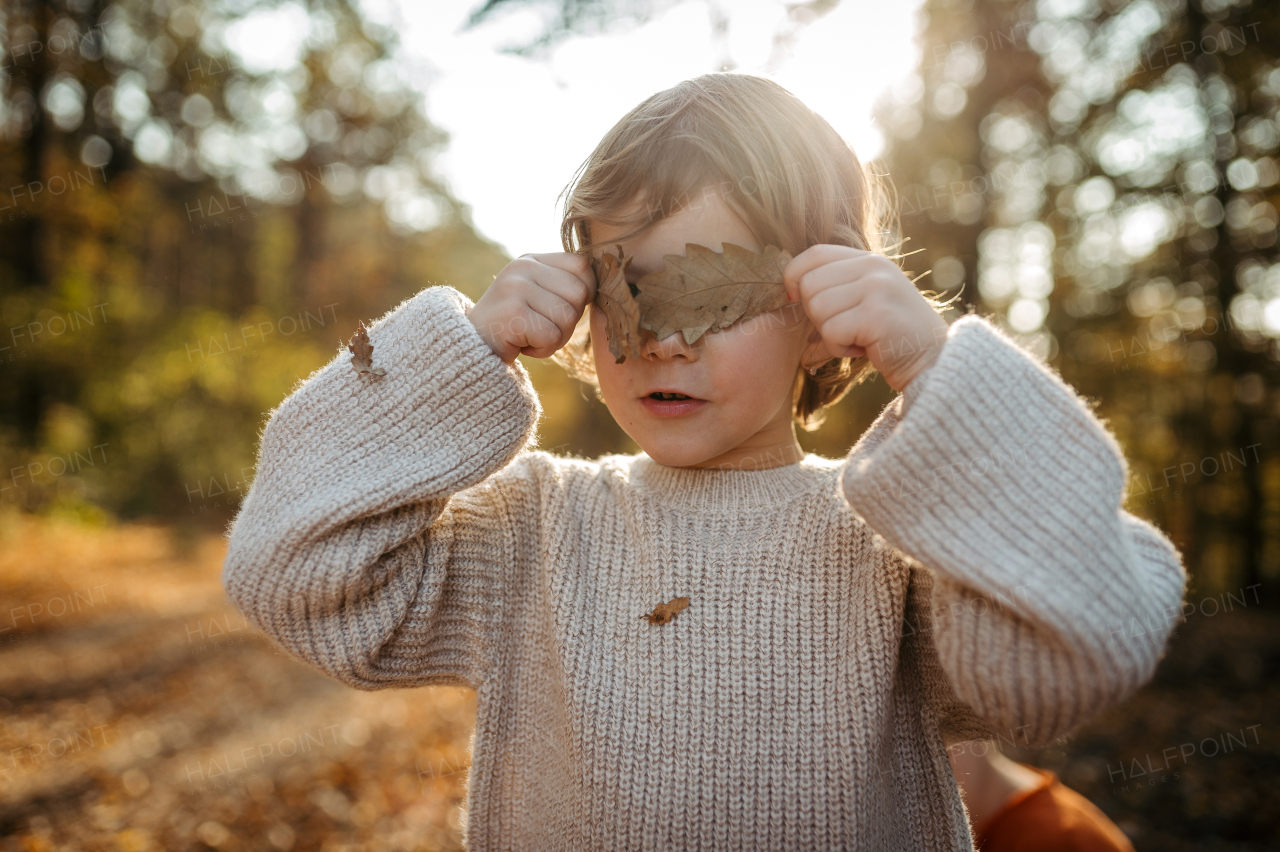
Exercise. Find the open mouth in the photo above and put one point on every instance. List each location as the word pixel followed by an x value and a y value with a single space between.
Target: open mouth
pixel 672 403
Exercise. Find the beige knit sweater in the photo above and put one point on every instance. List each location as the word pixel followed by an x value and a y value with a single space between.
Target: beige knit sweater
pixel 966 572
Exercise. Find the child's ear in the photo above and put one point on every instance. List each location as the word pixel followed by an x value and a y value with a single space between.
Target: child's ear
pixel 814 352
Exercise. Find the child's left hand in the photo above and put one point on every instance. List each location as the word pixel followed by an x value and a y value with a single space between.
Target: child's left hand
pixel 862 303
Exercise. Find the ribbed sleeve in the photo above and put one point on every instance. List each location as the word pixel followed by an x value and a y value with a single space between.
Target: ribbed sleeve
pixel 351 548
pixel 993 473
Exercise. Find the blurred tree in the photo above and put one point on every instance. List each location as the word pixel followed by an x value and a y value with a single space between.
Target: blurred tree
pixel 199 201
pixel 1104 171
pixel 564 18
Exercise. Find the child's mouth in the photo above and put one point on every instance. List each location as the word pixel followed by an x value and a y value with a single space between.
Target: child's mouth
pixel 671 403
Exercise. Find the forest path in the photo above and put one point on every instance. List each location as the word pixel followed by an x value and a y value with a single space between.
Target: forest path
pixel 141 712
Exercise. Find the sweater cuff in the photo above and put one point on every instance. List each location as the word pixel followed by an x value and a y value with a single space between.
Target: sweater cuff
pixel 462 410
pixel 445 413
pixel 998 475
pixel 914 389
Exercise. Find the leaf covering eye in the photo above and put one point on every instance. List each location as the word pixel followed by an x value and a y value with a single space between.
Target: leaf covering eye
pixel 695 292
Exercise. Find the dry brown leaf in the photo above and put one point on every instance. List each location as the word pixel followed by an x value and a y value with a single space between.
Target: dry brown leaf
pixel 622 313
pixel 699 291
pixel 662 613
pixel 706 290
pixel 362 353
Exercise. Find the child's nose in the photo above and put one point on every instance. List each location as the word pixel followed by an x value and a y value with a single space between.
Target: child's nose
pixel 672 346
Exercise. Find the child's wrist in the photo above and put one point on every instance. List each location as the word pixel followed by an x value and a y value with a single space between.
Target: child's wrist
pixel 927 359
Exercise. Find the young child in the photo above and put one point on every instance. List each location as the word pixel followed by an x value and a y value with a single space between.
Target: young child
pixel 962 574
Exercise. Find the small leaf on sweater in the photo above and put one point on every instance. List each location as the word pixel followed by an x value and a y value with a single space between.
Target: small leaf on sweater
pixel 695 292
pixel 664 612
pixel 622 313
pixel 362 353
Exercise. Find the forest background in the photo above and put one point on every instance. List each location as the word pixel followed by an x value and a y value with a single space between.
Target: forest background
pixel 183 238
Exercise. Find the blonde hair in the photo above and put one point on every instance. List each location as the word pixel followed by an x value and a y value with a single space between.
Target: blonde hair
pixel 794 181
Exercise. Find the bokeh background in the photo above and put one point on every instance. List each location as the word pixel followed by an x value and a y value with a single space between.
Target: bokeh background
pixel 199 201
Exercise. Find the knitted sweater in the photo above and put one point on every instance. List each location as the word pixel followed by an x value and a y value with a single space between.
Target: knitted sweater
pixel 966 572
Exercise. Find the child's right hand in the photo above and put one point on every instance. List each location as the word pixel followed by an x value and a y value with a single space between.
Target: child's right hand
pixel 534 303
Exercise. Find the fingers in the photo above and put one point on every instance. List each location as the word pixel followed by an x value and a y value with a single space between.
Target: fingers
pixel 544 321
pixel 842 272
pixel 550 321
pixel 846 302
pixel 812 258
pixel 862 303
pixel 846 333
pixel 576 265
pixel 567 283
pixel 843 283
pixel 847 283
pixel 524 327
pixel 535 303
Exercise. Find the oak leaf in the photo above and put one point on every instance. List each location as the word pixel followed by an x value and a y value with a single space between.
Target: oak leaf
pixel 615 297
pixel 699 291
pixel 706 290
pixel 362 353
pixel 664 612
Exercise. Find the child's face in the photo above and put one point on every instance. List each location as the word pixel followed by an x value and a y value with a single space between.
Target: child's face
pixel 741 376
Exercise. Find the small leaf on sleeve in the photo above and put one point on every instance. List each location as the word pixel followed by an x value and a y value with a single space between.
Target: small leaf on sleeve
pixel 362 353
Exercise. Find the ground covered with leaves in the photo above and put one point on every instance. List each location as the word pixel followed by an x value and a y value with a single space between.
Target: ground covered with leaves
pixel 142 713
pixel 150 716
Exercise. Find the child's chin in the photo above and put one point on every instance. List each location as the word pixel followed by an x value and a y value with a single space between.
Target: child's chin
pixel 678 456
pixel 670 454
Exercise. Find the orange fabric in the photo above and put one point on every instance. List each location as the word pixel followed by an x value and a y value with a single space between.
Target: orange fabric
pixel 1050 818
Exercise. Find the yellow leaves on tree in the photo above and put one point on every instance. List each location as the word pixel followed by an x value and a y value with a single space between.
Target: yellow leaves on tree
pixel 699 291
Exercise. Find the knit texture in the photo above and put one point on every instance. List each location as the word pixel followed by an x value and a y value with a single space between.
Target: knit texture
pixel 966 572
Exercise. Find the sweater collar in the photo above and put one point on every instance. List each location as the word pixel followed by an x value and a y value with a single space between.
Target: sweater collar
pixel 715 489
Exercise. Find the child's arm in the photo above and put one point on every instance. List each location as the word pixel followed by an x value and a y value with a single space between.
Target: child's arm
pixel 1049 601
pixel 355 549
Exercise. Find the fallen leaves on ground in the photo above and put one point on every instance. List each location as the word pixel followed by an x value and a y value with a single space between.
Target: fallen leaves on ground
pixel 148 714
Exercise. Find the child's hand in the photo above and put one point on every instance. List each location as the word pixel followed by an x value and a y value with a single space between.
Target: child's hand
pixel 534 303
pixel 862 303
